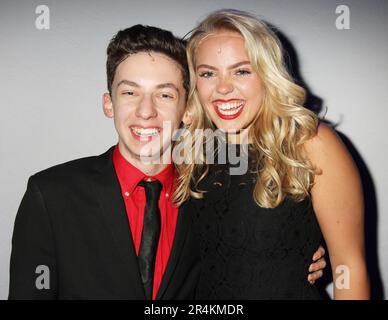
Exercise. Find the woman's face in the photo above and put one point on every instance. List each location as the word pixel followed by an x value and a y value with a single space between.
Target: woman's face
pixel 228 87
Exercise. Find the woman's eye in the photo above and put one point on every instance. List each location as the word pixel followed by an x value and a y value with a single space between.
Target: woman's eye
pixel 243 72
pixel 166 96
pixel 206 74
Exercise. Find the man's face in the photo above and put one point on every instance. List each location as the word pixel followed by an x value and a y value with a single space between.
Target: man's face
pixel 147 92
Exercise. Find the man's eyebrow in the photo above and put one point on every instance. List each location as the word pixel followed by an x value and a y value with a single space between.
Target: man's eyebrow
pixel 159 86
pixel 233 66
pixel 129 83
pixel 168 85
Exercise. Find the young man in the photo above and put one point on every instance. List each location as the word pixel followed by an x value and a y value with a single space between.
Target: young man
pixel 81 222
pixel 105 227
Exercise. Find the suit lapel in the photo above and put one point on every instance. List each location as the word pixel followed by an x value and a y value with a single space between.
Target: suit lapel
pixel 178 244
pixel 114 214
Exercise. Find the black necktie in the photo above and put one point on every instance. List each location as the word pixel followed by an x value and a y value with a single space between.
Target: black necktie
pixel 150 235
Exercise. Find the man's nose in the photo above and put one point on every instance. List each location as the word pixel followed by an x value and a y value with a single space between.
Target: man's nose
pixel 146 108
pixel 225 85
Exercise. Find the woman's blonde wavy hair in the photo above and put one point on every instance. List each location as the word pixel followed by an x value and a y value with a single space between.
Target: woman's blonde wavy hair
pixel 281 127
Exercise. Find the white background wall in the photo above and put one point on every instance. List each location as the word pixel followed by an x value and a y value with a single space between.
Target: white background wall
pixel 51 82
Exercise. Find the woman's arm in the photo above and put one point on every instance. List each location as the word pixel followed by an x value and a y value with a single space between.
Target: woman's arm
pixel 338 203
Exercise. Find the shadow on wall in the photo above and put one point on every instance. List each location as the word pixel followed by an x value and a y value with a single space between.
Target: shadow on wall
pixel 371 220
pixel 315 103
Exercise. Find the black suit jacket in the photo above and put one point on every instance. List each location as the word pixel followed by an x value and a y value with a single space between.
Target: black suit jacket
pixel 72 219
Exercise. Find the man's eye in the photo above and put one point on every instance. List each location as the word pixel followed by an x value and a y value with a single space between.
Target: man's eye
pixel 206 74
pixel 243 72
pixel 128 93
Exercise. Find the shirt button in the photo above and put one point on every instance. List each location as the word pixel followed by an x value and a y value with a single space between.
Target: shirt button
pixel 167 194
pixel 126 194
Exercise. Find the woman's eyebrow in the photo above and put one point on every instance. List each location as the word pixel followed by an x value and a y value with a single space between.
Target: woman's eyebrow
pixel 233 66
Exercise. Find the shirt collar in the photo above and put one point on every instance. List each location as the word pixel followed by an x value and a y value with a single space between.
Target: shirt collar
pixel 129 176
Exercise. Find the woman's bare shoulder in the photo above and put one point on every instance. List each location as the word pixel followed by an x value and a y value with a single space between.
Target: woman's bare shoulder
pixel 326 148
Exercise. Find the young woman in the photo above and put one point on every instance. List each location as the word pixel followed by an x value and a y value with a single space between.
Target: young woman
pixel 257 231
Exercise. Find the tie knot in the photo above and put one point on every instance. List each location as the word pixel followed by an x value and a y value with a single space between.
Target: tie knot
pixel 151 188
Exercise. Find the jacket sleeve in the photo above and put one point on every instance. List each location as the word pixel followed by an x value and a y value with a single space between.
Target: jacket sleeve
pixel 33 272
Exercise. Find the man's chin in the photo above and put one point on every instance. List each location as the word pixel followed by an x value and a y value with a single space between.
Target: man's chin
pixel 151 152
pixel 148 158
pixel 152 155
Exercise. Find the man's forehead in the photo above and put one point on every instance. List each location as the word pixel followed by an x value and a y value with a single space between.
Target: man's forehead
pixel 144 62
pixel 152 58
pixel 149 69
pixel 151 82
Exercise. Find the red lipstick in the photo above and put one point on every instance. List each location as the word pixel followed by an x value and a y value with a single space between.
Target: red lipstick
pixel 231 112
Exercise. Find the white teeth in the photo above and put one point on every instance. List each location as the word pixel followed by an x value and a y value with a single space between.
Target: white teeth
pixel 229 105
pixel 229 113
pixel 145 131
pixel 230 108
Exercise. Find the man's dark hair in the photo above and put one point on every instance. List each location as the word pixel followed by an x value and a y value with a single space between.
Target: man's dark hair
pixel 140 38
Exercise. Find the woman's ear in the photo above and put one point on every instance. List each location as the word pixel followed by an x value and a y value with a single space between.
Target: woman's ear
pixel 107 105
pixel 187 118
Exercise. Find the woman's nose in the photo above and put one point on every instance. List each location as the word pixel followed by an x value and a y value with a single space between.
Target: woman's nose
pixel 225 85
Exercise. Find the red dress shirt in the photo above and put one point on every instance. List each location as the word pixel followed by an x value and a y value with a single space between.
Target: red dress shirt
pixel 135 200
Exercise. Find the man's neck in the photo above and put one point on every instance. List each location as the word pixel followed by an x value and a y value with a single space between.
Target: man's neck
pixel 148 167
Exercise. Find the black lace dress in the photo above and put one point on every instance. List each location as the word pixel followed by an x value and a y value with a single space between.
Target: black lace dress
pixel 249 252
